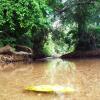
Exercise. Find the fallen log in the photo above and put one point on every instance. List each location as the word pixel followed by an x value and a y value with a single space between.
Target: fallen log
pixel 23 48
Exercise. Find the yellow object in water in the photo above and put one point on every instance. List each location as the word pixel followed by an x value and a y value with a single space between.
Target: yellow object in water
pixel 50 88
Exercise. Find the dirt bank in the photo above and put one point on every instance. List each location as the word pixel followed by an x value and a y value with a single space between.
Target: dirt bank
pixel 83 54
pixel 9 54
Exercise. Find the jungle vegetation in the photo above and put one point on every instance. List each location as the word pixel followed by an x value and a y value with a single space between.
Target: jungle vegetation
pixel 50 26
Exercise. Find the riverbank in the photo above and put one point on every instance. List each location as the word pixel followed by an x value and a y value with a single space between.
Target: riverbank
pixel 8 54
pixel 83 54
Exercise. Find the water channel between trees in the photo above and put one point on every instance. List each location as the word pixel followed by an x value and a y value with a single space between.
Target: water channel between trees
pixel 81 74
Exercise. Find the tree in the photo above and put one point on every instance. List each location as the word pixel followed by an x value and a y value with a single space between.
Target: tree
pixel 78 11
pixel 18 17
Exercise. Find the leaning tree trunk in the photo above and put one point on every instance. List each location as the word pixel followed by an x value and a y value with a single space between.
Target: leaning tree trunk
pixel 39 38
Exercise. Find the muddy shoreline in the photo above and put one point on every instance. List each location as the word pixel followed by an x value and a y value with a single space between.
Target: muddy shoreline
pixel 7 54
pixel 83 54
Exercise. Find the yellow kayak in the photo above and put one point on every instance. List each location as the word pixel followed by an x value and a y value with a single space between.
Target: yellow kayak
pixel 50 88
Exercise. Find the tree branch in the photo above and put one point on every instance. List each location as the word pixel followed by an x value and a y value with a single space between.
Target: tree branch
pixel 74 4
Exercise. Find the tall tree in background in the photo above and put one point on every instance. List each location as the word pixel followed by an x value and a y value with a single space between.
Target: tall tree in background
pixel 85 41
pixel 78 11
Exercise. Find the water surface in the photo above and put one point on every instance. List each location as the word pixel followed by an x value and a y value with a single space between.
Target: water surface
pixel 81 74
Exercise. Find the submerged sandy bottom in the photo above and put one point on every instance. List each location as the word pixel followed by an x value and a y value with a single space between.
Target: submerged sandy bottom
pixel 81 74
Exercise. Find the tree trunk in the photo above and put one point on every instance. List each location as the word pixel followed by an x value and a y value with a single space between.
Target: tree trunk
pixel 85 39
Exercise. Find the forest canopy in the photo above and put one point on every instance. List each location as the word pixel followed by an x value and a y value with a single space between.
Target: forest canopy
pixel 50 26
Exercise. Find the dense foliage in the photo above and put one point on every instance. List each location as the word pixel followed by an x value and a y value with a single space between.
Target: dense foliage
pixel 80 14
pixel 24 17
pixel 32 23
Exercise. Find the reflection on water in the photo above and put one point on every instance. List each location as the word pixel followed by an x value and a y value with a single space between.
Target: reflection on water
pixel 55 69
pixel 83 75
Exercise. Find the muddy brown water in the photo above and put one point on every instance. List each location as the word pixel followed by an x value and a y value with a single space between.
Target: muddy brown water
pixel 81 74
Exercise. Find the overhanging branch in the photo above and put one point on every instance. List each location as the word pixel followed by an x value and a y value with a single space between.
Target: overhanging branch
pixel 74 4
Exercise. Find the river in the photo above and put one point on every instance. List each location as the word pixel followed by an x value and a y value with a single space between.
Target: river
pixel 81 74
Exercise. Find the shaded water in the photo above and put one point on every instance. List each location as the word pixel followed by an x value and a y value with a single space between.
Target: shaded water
pixel 83 75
